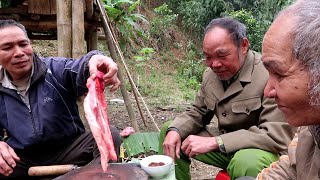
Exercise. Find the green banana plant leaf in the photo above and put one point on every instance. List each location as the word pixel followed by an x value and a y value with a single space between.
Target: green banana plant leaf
pixel 139 143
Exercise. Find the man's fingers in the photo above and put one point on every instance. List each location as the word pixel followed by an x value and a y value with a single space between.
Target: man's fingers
pixel 14 156
pixel 110 72
pixel 9 160
pixel 3 172
pixel 172 151
pixel 178 150
pixel 5 169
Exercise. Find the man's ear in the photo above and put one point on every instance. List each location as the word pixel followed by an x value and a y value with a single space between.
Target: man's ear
pixel 245 45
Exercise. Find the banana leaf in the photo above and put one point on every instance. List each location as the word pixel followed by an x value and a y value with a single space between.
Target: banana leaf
pixel 139 143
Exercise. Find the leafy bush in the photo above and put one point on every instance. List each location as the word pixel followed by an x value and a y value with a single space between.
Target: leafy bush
pixel 4 3
pixel 190 72
pixel 141 60
pixel 162 25
pixel 255 32
pixel 126 21
pixel 198 13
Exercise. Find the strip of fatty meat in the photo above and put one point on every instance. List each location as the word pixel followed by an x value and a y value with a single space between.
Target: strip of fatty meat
pixel 95 108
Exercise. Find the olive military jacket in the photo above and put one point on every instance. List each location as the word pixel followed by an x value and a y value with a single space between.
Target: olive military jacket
pixel 246 119
pixel 302 161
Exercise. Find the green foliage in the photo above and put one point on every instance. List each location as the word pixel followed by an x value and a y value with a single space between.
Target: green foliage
pixel 141 60
pixel 146 76
pixel 190 72
pixel 198 13
pixel 161 25
pixel 126 21
pixel 4 3
pixel 257 14
pixel 264 13
pixel 139 143
pixel 254 30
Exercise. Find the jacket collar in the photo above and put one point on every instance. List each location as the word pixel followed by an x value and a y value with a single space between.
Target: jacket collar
pixel 315 131
pixel 40 68
pixel 245 76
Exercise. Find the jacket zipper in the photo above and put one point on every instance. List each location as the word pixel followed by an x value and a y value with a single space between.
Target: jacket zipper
pixel 33 121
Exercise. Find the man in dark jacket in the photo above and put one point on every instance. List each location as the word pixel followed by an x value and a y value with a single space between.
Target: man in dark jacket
pixel 39 117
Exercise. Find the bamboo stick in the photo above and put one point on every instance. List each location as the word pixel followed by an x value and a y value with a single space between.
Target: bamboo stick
pixel 64 28
pixel 115 43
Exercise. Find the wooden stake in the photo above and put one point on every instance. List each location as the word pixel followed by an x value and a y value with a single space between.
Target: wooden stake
pixel 64 28
pixel 77 28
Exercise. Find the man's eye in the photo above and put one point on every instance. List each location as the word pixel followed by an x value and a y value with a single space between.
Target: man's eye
pixel 278 76
pixel 24 44
pixel 6 48
pixel 222 56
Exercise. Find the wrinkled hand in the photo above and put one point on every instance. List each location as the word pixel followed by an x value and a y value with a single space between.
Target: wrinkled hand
pixel 195 145
pixel 171 145
pixel 108 67
pixel 8 159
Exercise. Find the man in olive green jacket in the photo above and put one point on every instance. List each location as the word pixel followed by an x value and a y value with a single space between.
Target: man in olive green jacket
pixel 252 132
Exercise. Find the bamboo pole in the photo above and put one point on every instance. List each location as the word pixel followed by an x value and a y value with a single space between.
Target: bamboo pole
pixel 92 38
pixel 135 93
pixel 77 28
pixel 64 28
pixel 116 45
pixel 122 87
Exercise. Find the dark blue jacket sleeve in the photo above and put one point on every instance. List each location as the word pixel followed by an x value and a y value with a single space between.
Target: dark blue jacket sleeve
pixel 72 74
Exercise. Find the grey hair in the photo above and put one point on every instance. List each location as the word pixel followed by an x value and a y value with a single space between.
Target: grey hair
pixel 306 44
pixel 10 23
pixel 236 29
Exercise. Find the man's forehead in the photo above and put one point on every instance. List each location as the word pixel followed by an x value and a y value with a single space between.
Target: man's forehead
pixel 12 31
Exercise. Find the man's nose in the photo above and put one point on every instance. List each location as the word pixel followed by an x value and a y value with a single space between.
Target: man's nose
pixel 214 63
pixel 18 51
pixel 269 90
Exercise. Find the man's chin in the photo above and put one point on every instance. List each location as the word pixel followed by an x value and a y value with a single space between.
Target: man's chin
pixel 223 78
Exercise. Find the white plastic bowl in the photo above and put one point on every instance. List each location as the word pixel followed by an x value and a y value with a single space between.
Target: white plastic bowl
pixel 157 171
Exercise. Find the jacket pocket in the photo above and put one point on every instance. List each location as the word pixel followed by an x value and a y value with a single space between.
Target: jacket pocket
pixel 246 105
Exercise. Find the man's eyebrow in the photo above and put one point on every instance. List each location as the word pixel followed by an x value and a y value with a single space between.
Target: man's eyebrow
pixel 221 51
pixel 10 43
pixel 270 64
pixel 6 44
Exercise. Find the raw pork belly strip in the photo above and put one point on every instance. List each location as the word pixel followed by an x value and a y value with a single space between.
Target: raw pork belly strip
pixel 95 108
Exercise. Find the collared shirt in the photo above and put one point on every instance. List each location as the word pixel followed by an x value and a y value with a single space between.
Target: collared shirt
pixel 20 86
pixel 227 83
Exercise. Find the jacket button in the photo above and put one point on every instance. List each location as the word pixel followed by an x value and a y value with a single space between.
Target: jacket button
pixel 224 114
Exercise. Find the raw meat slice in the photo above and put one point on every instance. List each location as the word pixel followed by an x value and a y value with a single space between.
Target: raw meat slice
pixel 127 132
pixel 95 108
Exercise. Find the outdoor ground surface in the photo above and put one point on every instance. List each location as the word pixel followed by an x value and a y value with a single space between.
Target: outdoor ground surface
pixel 119 118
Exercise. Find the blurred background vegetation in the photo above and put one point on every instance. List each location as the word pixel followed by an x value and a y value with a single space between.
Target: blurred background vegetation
pixel 166 39
pixel 161 40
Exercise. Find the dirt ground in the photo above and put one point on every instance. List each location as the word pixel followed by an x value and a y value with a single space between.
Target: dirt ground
pixel 119 118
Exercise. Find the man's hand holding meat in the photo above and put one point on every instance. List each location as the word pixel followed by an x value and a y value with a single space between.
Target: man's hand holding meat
pixel 108 67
